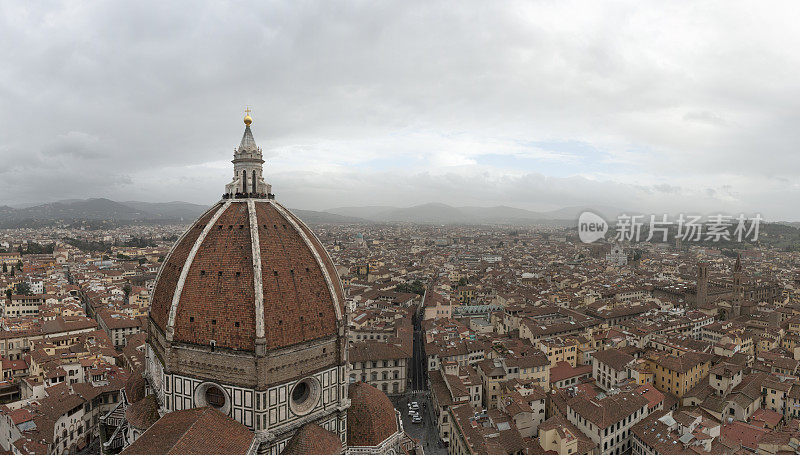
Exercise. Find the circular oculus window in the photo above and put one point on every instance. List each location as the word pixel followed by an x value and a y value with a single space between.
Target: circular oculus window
pixel 305 396
pixel 210 394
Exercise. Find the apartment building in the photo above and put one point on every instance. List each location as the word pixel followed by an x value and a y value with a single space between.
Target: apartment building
pixel 610 367
pixel 678 374
pixel 607 420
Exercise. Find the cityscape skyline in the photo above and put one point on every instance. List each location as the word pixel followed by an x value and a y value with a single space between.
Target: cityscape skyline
pixel 441 228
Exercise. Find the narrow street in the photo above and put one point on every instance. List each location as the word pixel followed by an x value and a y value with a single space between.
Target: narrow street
pixel 419 379
pixel 426 431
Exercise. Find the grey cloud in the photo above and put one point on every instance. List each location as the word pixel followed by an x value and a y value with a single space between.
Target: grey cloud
pixel 76 145
pixel 704 117
pixel 136 99
pixel 666 188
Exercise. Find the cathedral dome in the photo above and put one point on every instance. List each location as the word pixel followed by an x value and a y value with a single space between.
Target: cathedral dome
pixel 371 418
pixel 247 270
pixel 248 275
pixel 247 316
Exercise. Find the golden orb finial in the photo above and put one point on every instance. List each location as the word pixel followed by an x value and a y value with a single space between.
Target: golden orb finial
pixel 247 119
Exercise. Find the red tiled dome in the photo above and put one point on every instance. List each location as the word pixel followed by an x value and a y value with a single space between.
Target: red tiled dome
pixel 312 439
pixel 210 287
pixel 371 417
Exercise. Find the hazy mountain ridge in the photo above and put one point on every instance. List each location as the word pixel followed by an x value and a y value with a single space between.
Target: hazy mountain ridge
pixel 101 209
pixel 172 210
pixel 366 212
pixel 315 217
pixel 105 209
pixel 438 213
pixel 89 209
pixel 431 213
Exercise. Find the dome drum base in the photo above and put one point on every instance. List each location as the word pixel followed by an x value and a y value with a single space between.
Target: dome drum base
pixel 246 368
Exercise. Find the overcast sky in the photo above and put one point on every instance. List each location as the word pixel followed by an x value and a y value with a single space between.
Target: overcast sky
pixel 649 106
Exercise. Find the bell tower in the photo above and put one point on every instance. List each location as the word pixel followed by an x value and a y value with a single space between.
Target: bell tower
pixel 702 285
pixel 738 287
pixel 248 180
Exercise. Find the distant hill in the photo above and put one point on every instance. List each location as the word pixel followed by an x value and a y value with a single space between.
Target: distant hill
pixel 313 217
pixel 99 209
pixel 572 213
pixel 437 213
pixel 502 212
pixel 87 209
pixel 366 212
pixel 170 210
pixel 425 213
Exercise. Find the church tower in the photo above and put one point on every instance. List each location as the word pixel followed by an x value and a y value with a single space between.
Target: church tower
pixel 701 297
pixel 738 287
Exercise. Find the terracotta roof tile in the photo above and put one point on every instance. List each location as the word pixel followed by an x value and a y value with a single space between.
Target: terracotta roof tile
pixel 197 431
pixel 312 439
pixel 143 413
pixel 171 270
pixel 217 301
pixel 371 417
